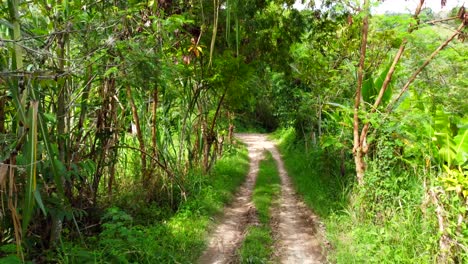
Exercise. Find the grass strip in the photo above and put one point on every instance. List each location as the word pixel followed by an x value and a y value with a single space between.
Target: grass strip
pixel 257 246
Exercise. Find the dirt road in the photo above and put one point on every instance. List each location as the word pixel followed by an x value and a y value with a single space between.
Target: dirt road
pixel 294 225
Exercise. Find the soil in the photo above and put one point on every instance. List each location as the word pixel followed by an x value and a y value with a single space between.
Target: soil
pixel 297 231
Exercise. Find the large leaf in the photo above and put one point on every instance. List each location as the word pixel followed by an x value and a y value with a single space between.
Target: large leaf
pixel 368 92
pixel 37 196
pixel 441 121
pixel 461 146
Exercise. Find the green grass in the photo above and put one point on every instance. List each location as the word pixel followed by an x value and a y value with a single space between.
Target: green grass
pixel 380 222
pixel 257 246
pixel 315 178
pixel 401 238
pixel 179 238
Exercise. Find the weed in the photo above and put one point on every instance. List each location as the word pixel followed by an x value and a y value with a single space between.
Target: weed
pixel 256 247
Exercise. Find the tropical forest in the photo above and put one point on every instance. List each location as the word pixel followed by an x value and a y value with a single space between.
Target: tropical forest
pixel 229 131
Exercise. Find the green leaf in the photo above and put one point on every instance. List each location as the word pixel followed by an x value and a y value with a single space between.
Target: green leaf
pixel 52 153
pixel 111 70
pixel 368 90
pixel 49 117
pixel 11 259
pixel 38 198
pixel 461 146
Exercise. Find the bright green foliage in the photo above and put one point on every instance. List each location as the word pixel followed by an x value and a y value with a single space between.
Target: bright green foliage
pixel 180 237
pixel 371 87
pixel 123 104
pixel 100 102
pixel 383 226
pixel 416 158
pixel 258 243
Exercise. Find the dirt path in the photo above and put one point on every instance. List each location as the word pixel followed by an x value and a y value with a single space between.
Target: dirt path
pixel 293 223
pixel 298 236
pixel 229 234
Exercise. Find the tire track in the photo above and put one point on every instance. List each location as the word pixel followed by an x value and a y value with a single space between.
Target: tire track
pixel 296 228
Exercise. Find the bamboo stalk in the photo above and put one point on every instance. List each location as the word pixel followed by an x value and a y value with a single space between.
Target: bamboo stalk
pixel 13 6
pixel 215 29
pixel 31 158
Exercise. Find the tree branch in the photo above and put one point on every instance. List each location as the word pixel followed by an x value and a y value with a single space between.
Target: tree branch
pixel 388 77
pixel 418 71
pixel 357 100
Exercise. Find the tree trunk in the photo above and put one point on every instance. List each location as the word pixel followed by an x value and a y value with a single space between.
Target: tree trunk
pixel 231 127
pixel 104 132
pixel 215 29
pixel 14 19
pixel 136 120
pixel 154 128
pixel 342 162
pixel 206 144
pixel 18 66
pixel 2 113
pixel 320 106
pixel 62 135
pixel 358 144
pixel 211 135
pixel 360 166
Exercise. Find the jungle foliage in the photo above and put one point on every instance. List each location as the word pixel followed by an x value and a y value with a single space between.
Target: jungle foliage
pixel 115 117
pixel 408 202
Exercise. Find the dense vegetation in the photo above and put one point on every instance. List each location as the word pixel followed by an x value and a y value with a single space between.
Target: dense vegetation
pixel 408 202
pixel 117 120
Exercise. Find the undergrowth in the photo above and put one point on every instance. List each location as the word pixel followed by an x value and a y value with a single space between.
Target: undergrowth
pixel 257 246
pixel 384 221
pixel 178 237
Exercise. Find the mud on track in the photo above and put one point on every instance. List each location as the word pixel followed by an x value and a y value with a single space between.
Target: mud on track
pixel 294 225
